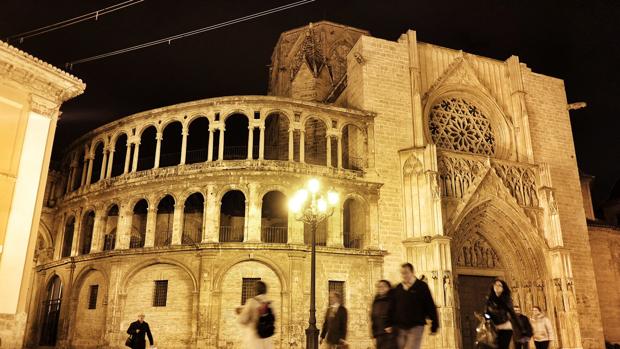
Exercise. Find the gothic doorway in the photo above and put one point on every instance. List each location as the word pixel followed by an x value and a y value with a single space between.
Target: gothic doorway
pixel 51 312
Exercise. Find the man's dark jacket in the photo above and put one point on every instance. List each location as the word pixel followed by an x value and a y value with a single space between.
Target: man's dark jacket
pixel 524 328
pixel 139 342
pixel 380 315
pixel 413 306
pixel 335 328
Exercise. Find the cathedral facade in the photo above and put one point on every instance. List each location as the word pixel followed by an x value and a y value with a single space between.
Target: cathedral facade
pixel 460 164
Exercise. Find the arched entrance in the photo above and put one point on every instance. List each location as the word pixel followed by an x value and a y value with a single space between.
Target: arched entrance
pixel 237 285
pixel 51 312
pixel 89 310
pixel 492 239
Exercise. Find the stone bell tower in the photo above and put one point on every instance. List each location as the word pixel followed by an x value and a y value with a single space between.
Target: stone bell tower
pixel 310 62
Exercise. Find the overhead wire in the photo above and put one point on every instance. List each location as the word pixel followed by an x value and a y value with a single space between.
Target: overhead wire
pixel 189 33
pixel 72 21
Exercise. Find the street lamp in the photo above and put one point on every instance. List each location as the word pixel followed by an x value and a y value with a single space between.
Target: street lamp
pixel 312 207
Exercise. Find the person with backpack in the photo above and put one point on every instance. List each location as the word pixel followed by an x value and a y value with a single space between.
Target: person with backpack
pixel 334 330
pixel 258 319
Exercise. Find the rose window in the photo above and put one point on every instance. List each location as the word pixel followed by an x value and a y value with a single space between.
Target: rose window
pixel 456 124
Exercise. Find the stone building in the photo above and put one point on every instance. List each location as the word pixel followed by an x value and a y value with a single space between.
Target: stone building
pixel 604 236
pixel 460 164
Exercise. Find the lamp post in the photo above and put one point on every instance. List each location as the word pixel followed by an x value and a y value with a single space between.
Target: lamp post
pixel 312 207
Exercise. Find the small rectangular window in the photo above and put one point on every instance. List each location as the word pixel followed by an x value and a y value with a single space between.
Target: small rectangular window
pixel 160 294
pixel 248 289
pixel 337 286
pixel 92 296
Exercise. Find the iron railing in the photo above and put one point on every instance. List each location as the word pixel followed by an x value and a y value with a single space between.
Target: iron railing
pixel 274 235
pixel 231 233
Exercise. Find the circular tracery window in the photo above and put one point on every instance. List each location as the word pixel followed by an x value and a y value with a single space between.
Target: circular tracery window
pixel 456 124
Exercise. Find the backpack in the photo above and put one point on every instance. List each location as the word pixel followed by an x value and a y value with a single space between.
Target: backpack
pixel 266 321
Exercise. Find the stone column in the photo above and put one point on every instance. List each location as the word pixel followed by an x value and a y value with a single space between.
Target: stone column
pixel 127 158
pixel 329 151
pixel 339 139
pixel 211 232
pixel 261 144
pixel 253 214
pixel 210 149
pixel 136 151
pixel 373 224
pixel 302 146
pixel 158 137
pixel 295 230
pixel 220 150
pixel 98 231
pixel 291 144
pixel 177 223
pixel 75 243
pixel 184 134
pixel 205 222
pixel 104 164
pixel 84 171
pixel 334 228
pixel 151 226
pixel 110 162
pixel 250 142
pixel 72 171
pixel 89 173
pixel 123 231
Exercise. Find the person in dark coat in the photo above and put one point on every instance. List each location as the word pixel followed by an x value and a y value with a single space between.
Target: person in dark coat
pixel 380 317
pixel 412 304
pixel 501 312
pixel 334 330
pixel 523 336
pixel 137 330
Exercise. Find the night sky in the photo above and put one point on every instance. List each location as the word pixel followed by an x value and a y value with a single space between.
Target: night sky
pixel 573 40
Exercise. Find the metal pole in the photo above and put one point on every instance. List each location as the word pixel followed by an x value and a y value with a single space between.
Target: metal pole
pixel 312 332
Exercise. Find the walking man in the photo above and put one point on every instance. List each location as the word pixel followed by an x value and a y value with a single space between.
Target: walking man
pixel 523 336
pixel 137 330
pixel 412 304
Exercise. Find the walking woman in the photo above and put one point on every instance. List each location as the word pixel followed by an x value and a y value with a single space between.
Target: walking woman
pixel 501 311
pixel 380 317
pixel 543 331
pixel 334 330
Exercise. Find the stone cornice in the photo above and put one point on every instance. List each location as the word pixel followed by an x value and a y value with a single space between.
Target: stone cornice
pixel 48 85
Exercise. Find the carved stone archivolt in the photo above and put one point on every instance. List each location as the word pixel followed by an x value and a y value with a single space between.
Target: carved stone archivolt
pixel 477 253
pixel 457 175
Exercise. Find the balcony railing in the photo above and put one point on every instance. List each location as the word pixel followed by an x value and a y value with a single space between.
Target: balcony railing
pixel 231 233
pixel 274 235
pixel 191 237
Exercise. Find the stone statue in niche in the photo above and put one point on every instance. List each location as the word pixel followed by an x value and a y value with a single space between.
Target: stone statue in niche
pixel 541 300
pixel 447 289
pixel 477 253
pixel 559 299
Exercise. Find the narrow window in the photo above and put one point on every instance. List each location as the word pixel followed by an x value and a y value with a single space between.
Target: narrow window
pixel 160 294
pixel 248 289
pixel 337 286
pixel 92 296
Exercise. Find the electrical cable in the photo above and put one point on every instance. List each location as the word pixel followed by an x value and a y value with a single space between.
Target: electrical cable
pixel 189 33
pixel 72 21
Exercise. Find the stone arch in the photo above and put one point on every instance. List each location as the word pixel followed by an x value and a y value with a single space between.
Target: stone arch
pixel 354 140
pixel 181 300
pixel 274 217
pixel 285 113
pixel 307 117
pixel 225 189
pixel 237 111
pixel 198 115
pixel 276 134
pixel 118 133
pixel 142 127
pixel 229 287
pixel 219 275
pixel 88 323
pixel 135 269
pixel 355 221
pixel 503 129
pixel 315 129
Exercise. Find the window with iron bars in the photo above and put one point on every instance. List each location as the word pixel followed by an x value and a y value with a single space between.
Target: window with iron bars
pixel 337 286
pixel 160 293
pixel 92 296
pixel 248 289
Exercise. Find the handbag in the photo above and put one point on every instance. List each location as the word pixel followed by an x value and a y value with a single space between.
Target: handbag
pixel 129 341
pixel 486 337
